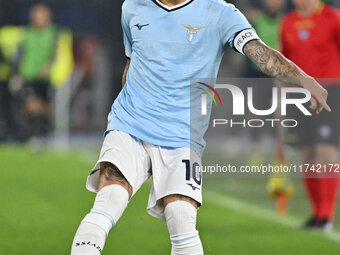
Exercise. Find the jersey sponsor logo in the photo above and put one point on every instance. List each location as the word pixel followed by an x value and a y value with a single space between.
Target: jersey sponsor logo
pixel 192 31
pixel 141 26
pixel 304 24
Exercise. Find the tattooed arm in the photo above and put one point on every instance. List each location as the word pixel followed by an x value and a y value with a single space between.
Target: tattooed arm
pixel 126 69
pixel 274 64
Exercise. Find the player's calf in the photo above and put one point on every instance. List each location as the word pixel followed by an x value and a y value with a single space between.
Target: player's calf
pixel 110 203
pixel 180 214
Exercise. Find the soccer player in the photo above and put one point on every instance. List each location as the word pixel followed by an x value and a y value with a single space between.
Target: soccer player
pixel 168 43
pixel 10 39
pixel 38 51
pixel 310 38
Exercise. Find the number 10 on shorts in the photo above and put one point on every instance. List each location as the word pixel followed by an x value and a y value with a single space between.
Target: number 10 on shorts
pixel 192 171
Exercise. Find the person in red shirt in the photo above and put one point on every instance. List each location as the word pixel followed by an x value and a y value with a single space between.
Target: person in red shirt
pixel 310 37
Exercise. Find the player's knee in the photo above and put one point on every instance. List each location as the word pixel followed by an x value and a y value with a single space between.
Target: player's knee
pixel 181 221
pixel 180 217
pixel 177 197
pixel 110 203
pixel 110 174
pixel 180 214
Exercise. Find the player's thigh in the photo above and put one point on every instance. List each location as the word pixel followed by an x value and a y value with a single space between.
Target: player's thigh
pixel 123 161
pixel 176 175
pixel 110 174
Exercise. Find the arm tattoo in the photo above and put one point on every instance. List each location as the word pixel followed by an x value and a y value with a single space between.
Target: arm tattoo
pixel 274 64
pixel 126 69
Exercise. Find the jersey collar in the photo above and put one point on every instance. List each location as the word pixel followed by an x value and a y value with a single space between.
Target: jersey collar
pixel 172 8
pixel 317 10
pixel 320 7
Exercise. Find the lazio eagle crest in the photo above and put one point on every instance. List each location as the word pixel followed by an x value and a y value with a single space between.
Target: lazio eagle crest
pixel 192 31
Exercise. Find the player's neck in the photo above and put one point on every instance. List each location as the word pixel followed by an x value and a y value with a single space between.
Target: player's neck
pixel 171 3
pixel 311 9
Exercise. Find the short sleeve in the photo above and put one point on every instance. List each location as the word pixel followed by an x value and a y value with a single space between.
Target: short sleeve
pixel 235 29
pixel 126 34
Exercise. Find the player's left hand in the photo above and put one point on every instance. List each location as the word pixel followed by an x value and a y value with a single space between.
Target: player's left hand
pixel 319 95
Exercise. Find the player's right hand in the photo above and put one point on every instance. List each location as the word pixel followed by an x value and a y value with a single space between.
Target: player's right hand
pixel 319 95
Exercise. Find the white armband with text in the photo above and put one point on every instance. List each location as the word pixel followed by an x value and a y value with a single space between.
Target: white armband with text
pixel 244 37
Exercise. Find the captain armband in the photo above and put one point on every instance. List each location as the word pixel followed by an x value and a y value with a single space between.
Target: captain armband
pixel 244 37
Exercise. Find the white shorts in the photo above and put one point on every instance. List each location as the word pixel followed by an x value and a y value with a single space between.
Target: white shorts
pixel 173 170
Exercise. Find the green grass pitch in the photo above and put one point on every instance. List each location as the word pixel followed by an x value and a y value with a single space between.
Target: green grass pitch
pixel 43 199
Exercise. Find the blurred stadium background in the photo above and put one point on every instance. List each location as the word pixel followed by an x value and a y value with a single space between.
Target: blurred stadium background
pixel 42 192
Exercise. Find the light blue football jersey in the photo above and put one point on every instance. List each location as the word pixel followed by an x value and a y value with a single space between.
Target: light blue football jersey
pixel 169 47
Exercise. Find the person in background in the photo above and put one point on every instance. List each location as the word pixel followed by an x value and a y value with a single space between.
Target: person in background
pixel 310 38
pixel 267 24
pixel 38 51
pixel 10 39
